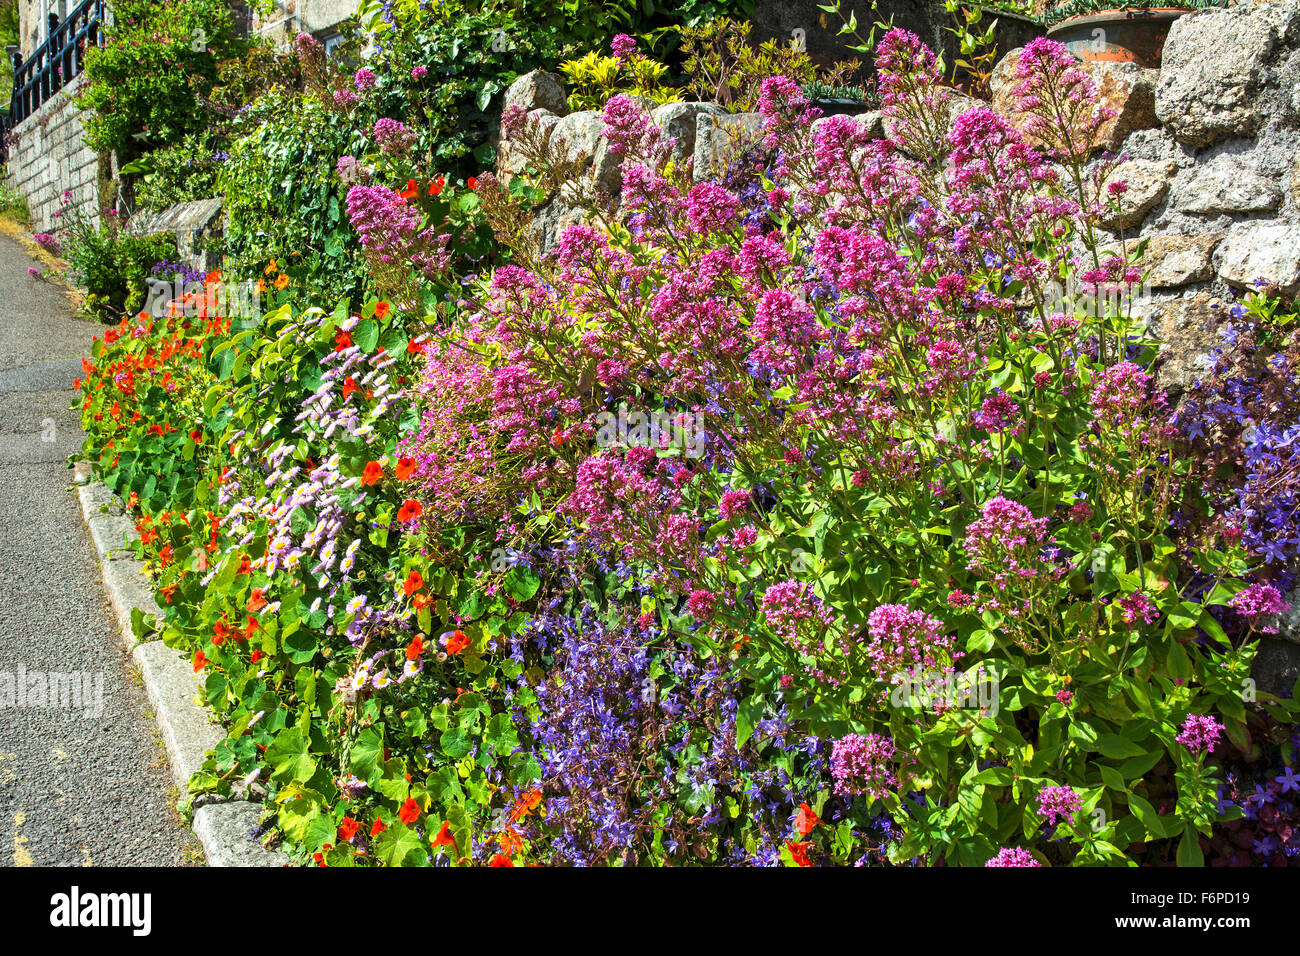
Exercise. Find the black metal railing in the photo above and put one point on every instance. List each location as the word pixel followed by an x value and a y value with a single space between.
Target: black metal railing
pixel 57 61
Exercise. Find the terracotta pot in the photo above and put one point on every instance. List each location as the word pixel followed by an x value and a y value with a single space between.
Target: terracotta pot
pixel 1126 36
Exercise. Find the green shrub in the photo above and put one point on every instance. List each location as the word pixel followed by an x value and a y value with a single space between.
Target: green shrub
pixel 111 264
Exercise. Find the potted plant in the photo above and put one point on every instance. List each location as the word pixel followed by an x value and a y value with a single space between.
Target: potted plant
pixel 1125 32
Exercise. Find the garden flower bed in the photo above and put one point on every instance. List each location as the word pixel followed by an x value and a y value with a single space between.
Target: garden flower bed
pixel 778 518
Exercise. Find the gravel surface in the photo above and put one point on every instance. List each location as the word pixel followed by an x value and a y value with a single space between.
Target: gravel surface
pixel 79 785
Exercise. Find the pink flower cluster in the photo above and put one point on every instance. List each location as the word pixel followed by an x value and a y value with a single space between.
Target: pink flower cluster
pixel 860 765
pixel 1199 732
pixel 903 639
pixel 791 607
pixel 1013 856
pixel 1059 803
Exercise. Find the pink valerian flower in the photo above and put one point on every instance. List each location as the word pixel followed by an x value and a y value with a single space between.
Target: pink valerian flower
pixel 790 608
pixel 733 503
pixel 701 604
pixel 1124 400
pixel 1059 803
pixel 784 327
pixel 1138 606
pixel 623 46
pixel 1004 528
pixel 1058 101
pixel 1257 600
pixel 419 72
pixel 902 639
pixel 391 232
pixel 630 132
pixel 860 765
pixel 1064 696
pixel 364 79
pixel 1199 732
pixel 351 171
pixel 1013 856
pixel 344 99
pixel 392 136
pixel 785 111
pixel 911 94
pixel 999 413
pixel 709 207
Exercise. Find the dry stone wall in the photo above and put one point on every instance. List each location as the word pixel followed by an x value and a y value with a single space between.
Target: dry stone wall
pixel 1210 148
pixel 48 156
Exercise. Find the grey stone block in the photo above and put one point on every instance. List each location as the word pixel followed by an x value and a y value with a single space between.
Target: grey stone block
pixel 110 533
pixel 127 588
pixel 97 500
pixel 187 730
pixel 224 829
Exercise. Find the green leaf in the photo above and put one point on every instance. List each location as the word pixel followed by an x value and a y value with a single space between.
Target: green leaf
pixel 1118 748
pixel 398 845
pixel 1189 848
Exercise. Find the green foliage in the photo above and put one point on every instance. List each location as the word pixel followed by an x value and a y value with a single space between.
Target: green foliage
pixel 181 172
pixel 285 201
pixel 13 203
pixel 111 264
pixel 595 78
pixel 724 66
pixel 144 87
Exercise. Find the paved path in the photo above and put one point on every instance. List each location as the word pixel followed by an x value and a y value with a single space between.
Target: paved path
pixel 76 788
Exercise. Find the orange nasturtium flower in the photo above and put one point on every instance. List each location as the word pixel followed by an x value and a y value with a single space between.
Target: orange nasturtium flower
pixel 415 648
pixel 342 340
pixel 799 853
pixel 271 267
pixel 405 466
pixel 805 821
pixel 410 511
pixel 281 281
pixel 348 829
pixel 500 860
pixel 410 811
pixel 444 838
pixel 457 642
pixel 256 601
pixel 200 661
pixel 413 582
pixel 373 472
pixel 378 828
pixel 411 190
pixel 435 186
pixel 381 310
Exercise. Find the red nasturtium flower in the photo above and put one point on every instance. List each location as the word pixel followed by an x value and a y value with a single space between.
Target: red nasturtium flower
pixel 220 632
pixel 805 821
pixel 381 309
pixel 472 183
pixel 435 186
pixel 413 347
pixel 411 190
pixel 256 656
pixel 799 853
pixel 444 837
pixel 500 860
pixel 342 340
pixel 410 511
pixel 373 472
pixel 256 601
pixel 349 386
pixel 405 466
pixel 457 642
pixel 200 662
pixel 415 648
pixel 410 811
pixel 413 582
pixel 348 829
pixel 378 828
pixel 421 601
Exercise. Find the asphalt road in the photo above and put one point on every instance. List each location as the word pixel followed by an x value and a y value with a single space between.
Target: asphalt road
pixel 79 785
